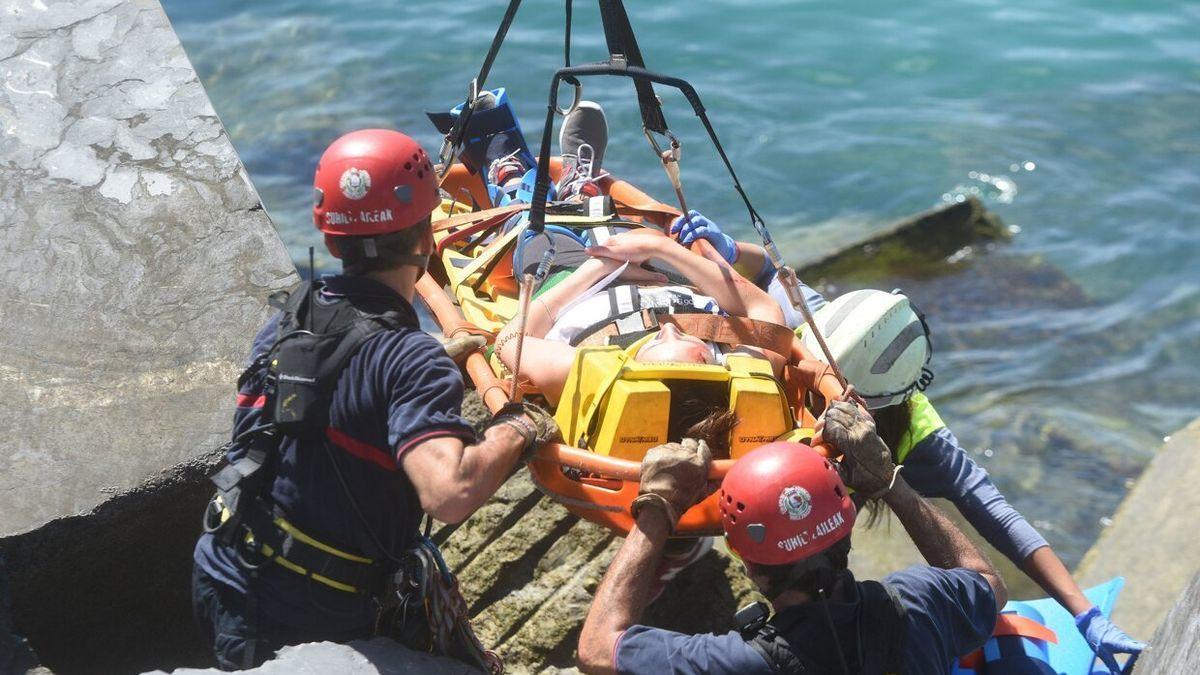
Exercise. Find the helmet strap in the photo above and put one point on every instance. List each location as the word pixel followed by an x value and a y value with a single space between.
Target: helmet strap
pixel 418 260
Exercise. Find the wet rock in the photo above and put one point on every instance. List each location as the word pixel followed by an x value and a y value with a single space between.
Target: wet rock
pixel 924 244
pixel 365 657
pixel 1154 530
pixel 1175 647
pixel 136 258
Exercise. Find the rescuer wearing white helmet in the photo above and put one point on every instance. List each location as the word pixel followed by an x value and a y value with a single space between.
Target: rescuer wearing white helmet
pixel 881 343
pixel 881 339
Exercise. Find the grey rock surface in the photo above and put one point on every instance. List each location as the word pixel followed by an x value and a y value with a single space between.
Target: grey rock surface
pixel 1152 539
pixel 1175 647
pixel 135 255
pixel 136 258
pixel 363 657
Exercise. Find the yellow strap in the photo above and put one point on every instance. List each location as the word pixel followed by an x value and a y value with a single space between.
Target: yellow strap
pixel 270 553
pixel 300 536
pixel 925 421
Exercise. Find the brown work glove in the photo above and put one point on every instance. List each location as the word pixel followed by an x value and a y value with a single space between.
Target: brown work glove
pixel 673 478
pixel 867 464
pixel 533 422
pixel 460 347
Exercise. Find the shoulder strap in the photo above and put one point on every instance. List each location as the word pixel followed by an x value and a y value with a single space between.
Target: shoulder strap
pixel 778 653
pixel 316 342
pixel 882 616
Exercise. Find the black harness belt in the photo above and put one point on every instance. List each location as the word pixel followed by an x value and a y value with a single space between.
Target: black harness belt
pixel 269 536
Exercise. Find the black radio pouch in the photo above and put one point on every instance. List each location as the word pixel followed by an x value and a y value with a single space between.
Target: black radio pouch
pixel 315 344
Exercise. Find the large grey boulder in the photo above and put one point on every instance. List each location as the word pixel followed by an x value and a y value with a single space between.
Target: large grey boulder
pixel 1152 539
pixel 1175 647
pixel 135 257
pixel 364 657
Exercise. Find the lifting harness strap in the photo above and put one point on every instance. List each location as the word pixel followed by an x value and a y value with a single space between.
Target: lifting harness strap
pixel 454 138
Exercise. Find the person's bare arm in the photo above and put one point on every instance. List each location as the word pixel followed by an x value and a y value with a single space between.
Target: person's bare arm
pixel 752 260
pixel 869 469
pixel 547 363
pixel 673 478
pixel 734 293
pixel 453 479
pixel 1047 569
pixel 621 596
pixel 940 542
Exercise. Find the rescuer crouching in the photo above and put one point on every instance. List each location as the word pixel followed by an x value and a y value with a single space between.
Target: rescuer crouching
pixel 788 515
pixel 347 433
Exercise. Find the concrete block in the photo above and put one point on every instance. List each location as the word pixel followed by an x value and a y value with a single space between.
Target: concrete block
pixel 1152 539
pixel 1175 647
pixel 136 258
pixel 365 657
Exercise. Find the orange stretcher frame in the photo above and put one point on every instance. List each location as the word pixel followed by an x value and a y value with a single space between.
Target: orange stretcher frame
pixel 596 487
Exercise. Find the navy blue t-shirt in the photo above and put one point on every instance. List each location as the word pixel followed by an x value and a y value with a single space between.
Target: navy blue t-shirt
pixel 399 389
pixel 948 613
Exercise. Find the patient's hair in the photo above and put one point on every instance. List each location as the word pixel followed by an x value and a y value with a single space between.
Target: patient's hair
pixel 703 419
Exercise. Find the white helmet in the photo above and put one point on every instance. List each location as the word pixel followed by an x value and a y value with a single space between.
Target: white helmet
pixel 880 342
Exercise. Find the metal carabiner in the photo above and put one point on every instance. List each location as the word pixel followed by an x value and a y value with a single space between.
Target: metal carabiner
pixel 671 155
pixel 575 103
pixel 448 153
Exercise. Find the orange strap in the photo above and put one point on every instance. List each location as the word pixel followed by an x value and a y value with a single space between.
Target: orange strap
pixel 1023 626
pixel 475 216
pixel 1010 625
pixel 730 330
pixel 733 330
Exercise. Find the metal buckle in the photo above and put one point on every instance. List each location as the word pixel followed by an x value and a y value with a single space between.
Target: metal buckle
pixel 212 515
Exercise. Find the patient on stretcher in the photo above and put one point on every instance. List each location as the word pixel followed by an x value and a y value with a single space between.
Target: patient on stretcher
pixel 611 284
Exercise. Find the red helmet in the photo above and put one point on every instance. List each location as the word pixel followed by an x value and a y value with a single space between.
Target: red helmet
pixel 782 503
pixel 373 181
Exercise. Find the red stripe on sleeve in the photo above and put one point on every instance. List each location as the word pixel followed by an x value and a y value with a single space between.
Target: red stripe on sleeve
pixel 250 401
pixel 361 450
pixel 434 433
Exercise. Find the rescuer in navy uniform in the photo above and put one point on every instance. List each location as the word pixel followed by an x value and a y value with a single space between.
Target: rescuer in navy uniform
pixel 348 428
pixel 788 516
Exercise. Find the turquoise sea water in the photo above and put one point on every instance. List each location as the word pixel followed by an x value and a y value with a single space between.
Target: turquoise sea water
pixel 1078 122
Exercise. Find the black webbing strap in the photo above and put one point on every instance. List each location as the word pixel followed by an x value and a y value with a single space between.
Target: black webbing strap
pixel 623 46
pixel 567 41
pixel 537 214
pixel 456 133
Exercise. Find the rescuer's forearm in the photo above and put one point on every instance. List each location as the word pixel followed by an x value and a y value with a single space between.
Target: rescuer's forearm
pixel 621 596
pixel 453 480
pixel 752 261
pixel 1047 569
pixel 938 539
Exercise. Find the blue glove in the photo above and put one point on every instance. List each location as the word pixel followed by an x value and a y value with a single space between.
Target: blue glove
pixel 703 228
pixel 1107 640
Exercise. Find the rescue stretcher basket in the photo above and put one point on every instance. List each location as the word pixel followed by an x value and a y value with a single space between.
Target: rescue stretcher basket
pixel 470 288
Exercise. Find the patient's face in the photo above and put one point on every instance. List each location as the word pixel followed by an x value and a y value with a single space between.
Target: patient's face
pixel 673 346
